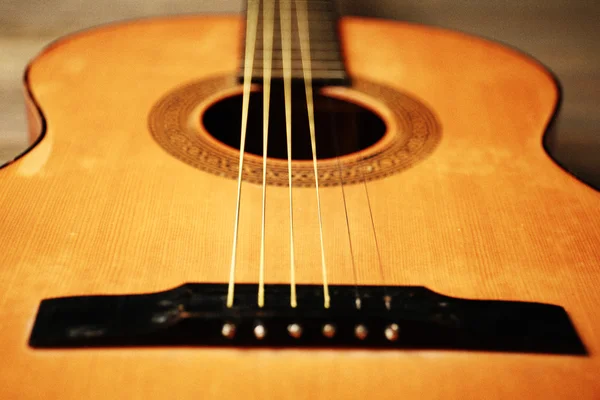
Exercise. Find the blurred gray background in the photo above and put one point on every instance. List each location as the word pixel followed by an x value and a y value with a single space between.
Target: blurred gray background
pixel 562 34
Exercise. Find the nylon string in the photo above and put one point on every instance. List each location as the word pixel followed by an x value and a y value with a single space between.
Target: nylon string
pixel 285 13
pixel 267 62
pixel 336 145
pixel 386 297
pixel 251 24
pixel 301 15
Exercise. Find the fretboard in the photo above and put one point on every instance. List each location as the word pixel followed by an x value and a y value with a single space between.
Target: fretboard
pixel 325 56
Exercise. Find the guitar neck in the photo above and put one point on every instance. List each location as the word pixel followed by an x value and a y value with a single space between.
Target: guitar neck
pixel 312 23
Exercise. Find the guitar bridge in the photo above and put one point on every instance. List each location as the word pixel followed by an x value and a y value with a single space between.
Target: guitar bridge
pixel 391 317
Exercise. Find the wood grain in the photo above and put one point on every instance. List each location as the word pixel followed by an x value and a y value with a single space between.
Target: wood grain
pixel 99 207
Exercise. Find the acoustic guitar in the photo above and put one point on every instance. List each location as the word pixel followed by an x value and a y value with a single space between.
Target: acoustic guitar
pixel 294 205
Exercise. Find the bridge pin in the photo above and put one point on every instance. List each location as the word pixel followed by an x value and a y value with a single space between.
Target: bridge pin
pixel 260 332
pixel 228 330
pixel 328 331
pixel 295 331
pixel 392 332
pixel 361 332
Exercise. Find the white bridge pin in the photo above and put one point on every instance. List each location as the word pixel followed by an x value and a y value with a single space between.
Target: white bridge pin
pixel 228 330
pixel 260 332
pixel 361 332
pixel 392 332
pixel 328 331
pixel 295 331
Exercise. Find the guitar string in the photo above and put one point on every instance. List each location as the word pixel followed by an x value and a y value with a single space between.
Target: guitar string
pixel 304 39
pixel 286 49
pixel 386 297
pixel 251 29
pixel 336 145
pixel 268 23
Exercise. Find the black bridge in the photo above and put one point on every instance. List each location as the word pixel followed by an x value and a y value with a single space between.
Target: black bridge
pixel 396 317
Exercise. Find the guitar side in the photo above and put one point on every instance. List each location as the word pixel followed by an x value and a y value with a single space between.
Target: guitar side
pixel 98 207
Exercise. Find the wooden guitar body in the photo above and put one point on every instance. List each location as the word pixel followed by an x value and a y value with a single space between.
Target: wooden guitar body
pixel 99 207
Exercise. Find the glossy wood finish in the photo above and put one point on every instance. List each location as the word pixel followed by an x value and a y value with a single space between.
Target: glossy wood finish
pixel 98 207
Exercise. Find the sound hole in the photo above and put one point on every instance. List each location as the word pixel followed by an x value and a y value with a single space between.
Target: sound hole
pixel 341 127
